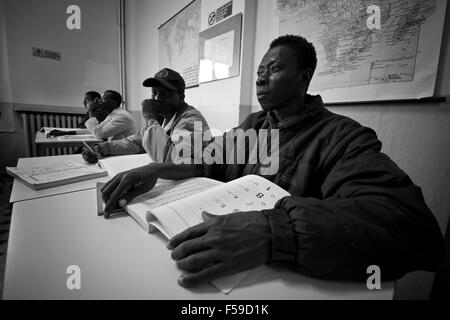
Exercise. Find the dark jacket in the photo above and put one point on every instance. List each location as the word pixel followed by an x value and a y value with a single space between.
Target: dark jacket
pixel 351 205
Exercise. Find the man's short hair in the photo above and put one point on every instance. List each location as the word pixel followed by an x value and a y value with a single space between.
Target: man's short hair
pixel 115 96
pixel 92 95
pixel 306 54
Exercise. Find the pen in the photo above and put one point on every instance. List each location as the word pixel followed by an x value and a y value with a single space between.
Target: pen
pixel 89 148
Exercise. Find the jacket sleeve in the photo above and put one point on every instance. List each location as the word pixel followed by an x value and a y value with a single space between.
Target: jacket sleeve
pixel 370 213
pixel 129 145
pixel 109 127
pixel 162 147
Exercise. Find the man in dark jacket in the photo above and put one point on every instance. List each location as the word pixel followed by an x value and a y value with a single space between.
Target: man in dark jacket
pixel 350 206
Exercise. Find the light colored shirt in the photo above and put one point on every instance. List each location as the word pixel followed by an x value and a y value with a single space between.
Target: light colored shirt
pixel 158 141
pixel 118 124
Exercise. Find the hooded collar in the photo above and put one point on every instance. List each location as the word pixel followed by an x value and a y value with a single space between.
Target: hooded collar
pixel 313 107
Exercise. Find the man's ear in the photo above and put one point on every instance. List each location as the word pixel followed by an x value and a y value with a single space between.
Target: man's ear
pixel 304 78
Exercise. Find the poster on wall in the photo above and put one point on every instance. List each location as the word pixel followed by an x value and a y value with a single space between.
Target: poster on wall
pixel 179 43
pixel 369 50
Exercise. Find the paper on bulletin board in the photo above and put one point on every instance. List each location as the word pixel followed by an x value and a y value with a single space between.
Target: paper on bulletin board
pixel 220 50
pixel 218 57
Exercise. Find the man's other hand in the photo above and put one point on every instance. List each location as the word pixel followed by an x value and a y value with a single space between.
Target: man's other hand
pixel 101 150
pixel 58 133
pixel 221 246
pixel 151 109
pixel 89 156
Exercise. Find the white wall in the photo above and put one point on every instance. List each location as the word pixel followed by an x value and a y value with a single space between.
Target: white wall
pixel 90 56
pixel 6 112
pixel 219 101
pixel 5 86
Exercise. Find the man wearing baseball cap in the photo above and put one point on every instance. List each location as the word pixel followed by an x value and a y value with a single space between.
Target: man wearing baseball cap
pixel 167 119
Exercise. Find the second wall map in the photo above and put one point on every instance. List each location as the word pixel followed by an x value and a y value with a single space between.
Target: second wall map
pixel 355 63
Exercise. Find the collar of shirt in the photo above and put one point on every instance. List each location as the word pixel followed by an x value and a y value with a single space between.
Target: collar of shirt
pixel 168 125
pixel 115 111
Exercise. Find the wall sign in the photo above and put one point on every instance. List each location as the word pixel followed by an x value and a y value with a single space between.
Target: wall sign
pixel 47 54
pixel 224 11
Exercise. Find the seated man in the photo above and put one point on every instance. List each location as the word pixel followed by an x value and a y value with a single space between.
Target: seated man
pixel 155 138
pixel 117 125
pixel 89 97
pixel 350 207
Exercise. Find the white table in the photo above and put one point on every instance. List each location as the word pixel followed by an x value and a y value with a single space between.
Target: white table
pixel 119 260
pixel 21 192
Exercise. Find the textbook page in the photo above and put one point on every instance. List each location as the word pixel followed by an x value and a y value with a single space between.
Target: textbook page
pixel 165 191
pixel 248 193
pixel 118 164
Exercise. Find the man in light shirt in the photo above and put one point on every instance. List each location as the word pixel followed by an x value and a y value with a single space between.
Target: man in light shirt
pixel 167 119
pixel 118 124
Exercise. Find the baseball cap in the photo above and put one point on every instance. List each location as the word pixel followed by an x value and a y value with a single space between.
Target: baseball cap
pixel 167 78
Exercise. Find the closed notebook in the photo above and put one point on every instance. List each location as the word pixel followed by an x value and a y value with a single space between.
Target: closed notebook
pixel 56 174
pixel 173 206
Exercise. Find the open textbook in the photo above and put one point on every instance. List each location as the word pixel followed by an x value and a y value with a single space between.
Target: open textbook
pixel 173 206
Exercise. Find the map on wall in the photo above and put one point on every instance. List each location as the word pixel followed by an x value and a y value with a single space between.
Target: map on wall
pixel 179 43
pixel 397 60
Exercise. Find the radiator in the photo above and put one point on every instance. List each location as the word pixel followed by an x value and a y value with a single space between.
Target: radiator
pixel 34 121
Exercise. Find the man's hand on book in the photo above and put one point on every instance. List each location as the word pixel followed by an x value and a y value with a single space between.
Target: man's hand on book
pixel 221 246
pixel 126 186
